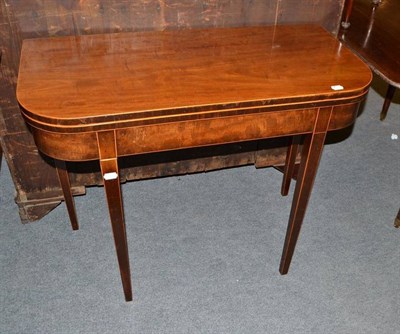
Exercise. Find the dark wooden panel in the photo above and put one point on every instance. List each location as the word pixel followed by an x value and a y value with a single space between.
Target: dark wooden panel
pixel 374 34
pixel 38 191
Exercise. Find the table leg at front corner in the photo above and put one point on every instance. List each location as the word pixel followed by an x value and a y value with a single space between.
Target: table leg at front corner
pixel 312 149
pixel 115 207
pixel 112 187
pixel 63 177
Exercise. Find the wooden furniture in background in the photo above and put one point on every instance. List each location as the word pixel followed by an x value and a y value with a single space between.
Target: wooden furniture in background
pixel 35 177
pixel 105 96
pixel 374 34
pixel 348 7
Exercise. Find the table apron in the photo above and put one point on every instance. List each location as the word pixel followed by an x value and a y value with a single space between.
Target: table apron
pixel 83 146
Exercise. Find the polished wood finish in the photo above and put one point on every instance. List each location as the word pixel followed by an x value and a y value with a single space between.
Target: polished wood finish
pixel 209 68
pixel 105 96
pixel 106 142
pixel 37 187
pixel 251 83
pixel 374 35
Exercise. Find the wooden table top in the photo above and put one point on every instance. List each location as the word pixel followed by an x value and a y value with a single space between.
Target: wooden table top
pixel 374 34
pixel 73 82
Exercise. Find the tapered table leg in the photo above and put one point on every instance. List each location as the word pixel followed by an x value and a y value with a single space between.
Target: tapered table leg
pixel 289 164
pixel 310 156
pixel 66 189
pixel 388 100
pixel 110 172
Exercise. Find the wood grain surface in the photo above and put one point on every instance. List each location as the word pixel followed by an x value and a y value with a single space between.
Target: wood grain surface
pixel 70 87
pixel 145 76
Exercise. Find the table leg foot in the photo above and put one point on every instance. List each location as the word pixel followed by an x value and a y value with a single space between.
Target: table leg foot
pixel 66 189
pixel 110 172
pixel 289 164
pixel 388 100
pixel 397 220
pixel 310 156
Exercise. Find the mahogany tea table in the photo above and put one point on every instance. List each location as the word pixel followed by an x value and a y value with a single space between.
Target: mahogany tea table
pixel 100 97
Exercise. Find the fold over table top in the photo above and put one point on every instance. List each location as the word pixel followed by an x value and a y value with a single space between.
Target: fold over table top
pixel 74 82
